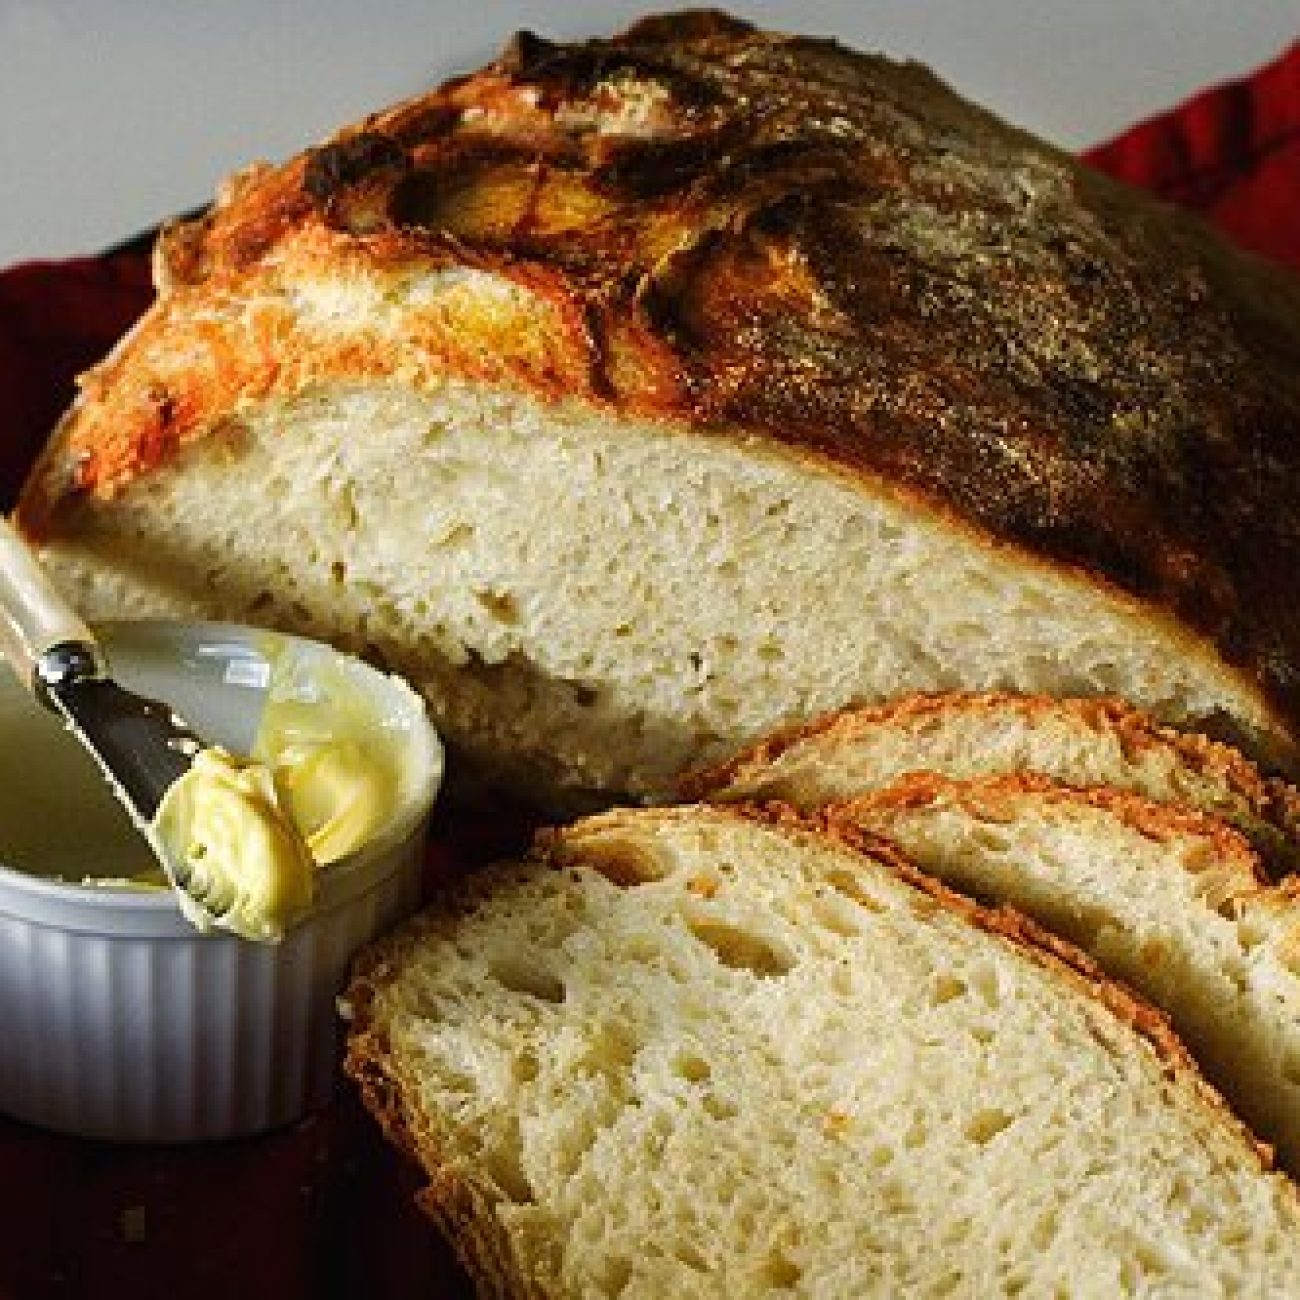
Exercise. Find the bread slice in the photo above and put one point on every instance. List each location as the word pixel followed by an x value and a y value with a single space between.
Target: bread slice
pixel 1081 742
pixel 689 1053
pixel 638 395
pixel 1172 903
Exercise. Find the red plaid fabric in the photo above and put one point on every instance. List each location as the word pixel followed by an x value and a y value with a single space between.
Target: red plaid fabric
pixel 325 1209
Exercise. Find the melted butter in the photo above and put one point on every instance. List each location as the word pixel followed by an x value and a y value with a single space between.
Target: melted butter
pixel 334 768
pixel 246 834
pixel 238 858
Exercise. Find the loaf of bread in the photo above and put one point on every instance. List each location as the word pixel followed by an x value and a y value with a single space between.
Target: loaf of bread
pixel 1080 742
pixel 638 395
pixel 692 1053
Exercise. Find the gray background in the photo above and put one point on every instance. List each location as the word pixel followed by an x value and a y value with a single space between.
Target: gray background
pixel 114 113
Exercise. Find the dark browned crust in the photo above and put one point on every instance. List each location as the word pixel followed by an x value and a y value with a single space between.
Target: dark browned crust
pixel 829 249
pixel 460 1208
pixel 1269 807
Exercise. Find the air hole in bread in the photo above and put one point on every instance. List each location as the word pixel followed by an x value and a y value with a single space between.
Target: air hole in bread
pixel 515 974
pixel 691 1257
pixel 643 948
pixel 459 534
pixel 615 1276
pixel 501 605
pixel 851 887
pixel 740 949
pixel 693 1068
pixel 624 863
pixel 916 1135
pixel 836 1122
pixel 946 988
pixel 896 1197
pixel 611 1048
pixel 984 980
pixel 1145 1263
pixel 347 503
pixel 781 1272
pixel 506 1171
pixel 719 1108
pixel 950 1284
pixel 836 914
pixel 983 1126
pixel 1218 889
pixel 1250 933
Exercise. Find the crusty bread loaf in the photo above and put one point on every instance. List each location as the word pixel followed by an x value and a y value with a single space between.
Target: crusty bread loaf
pixel 635 396
pixel 687 1053
pixel 1170 902
pixel 1081 742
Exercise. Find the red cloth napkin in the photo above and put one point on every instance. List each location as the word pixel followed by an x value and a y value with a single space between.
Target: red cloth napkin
pixel 57 318
pixel 324 1209
pixel 1233 153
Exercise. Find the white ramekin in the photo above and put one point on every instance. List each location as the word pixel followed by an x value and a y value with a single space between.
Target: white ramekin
pixel 119 1019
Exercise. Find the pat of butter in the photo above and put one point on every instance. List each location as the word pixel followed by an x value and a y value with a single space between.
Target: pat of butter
pixel 232 843
pixel 335 768
pixel 250 832
pixel 335 793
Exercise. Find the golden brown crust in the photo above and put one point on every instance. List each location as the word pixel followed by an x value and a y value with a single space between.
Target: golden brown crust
pixel 998 798
pixel 771 234
pixel 1274 802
